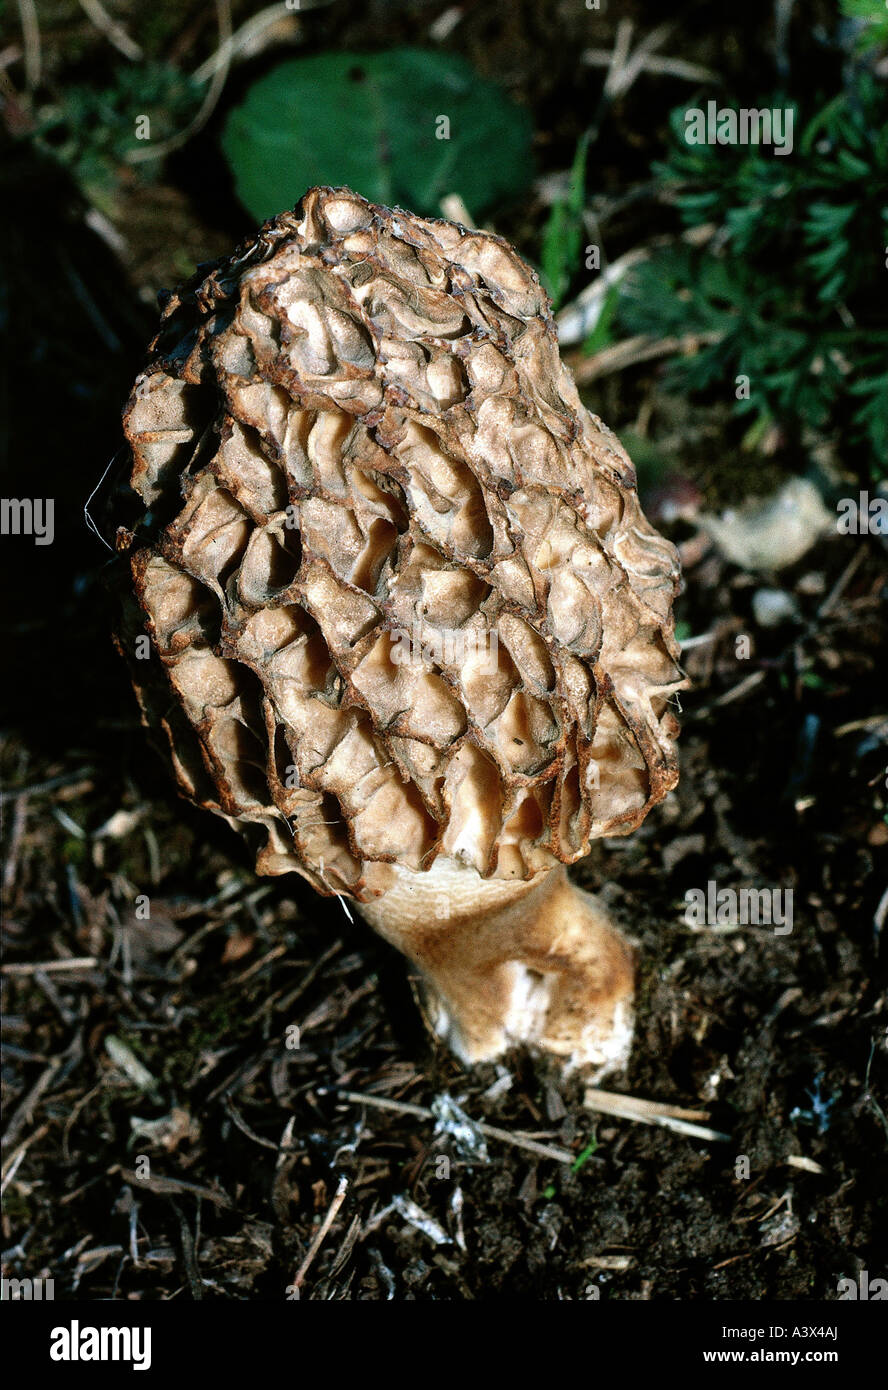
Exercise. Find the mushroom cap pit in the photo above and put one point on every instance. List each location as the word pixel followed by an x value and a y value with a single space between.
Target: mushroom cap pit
pixel 401 597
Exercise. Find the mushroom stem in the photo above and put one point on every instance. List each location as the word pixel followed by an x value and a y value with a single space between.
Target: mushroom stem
pixel 508 961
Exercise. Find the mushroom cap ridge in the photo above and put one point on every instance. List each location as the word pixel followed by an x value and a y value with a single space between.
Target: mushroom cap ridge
pixel 401 597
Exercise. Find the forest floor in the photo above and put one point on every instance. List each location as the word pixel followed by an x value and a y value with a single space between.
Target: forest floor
pixel 163 1137
pixel 171 1042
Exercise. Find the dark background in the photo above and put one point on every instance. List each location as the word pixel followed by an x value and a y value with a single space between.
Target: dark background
pixel 779 1039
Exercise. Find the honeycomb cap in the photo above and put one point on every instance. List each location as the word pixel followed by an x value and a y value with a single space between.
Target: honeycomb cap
pixel 401 597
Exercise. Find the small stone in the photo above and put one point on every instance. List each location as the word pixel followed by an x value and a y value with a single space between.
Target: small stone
pixel 773 607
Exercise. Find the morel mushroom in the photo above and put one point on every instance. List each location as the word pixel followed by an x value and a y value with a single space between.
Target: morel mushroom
pixel 409 625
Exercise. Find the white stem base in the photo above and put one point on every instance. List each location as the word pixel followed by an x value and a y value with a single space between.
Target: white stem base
pixel 508 962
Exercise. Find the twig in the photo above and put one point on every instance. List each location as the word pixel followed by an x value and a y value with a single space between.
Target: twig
pixel 10 1167
pixel 27 1106
pixel 782 20
pixel 44 983
pixel 616 68
pixel 453 207
pixel 104 228
pixel 867 1093
pixel 37 788
pixel 879 916
pixel 736 1259
pixel 688 643
pixel 208 105
pixel 489 1131
pixel 83 293
pixel 736 692
pixel 614 1103
pixel 79 1106
pixel 126 1061
pixel 257 965
pixel 10 868
pixel 520 1141
pixel 12 1171
pixel 244 1128
pixel 244 37
pixel 742 688
pixel 165 1187
pixel 113 32
pixel 841 584
pixel 638 60
pixel 807 1165
pixel 641 348
pixel 872 721
pixel 579 318
pixel 53 967
pixel 653 62
pixel 321 1233
pixel 31 39
pixel 748 1255
pixel 624 66
pixel 286 1001
pixel 652 1112
pixel 9 55
pixel 189 1256
pixel 442 27
pixel 615 1262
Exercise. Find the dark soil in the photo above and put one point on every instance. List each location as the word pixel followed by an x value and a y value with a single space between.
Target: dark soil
pixel 253 1140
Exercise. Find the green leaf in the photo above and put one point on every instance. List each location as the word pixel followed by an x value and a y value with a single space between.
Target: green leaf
pixel 406 126
pixel 871 417
pixel 601 335
pixel 873 17
pixel 786 287
pixel 563 233
pixel 757 430
pixel 92 130
pixel 582 1157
